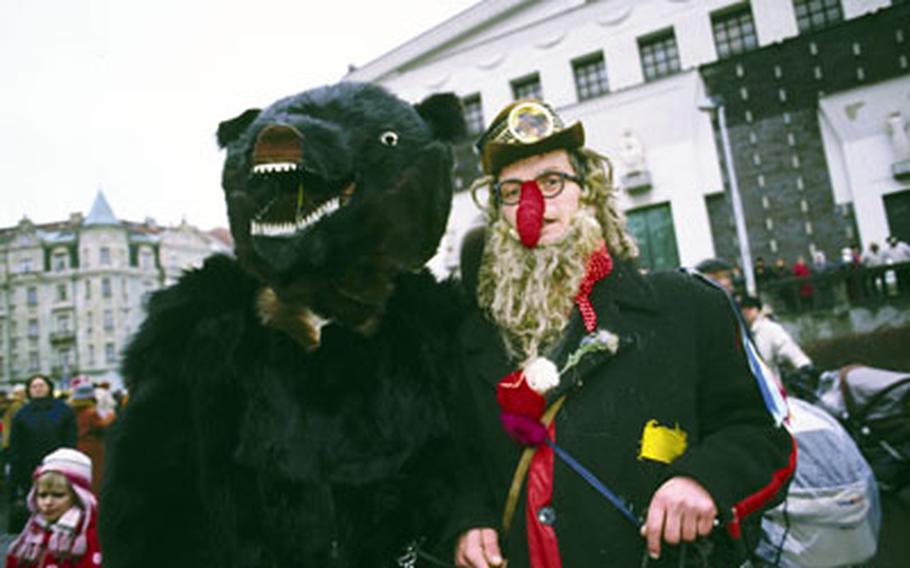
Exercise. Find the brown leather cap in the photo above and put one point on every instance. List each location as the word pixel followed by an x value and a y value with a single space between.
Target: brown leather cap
pixel 524 128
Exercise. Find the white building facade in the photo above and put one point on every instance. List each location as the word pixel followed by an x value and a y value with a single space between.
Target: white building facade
pixel 632 71
pixel 72 293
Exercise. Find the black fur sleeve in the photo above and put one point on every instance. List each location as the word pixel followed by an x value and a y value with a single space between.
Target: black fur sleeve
pixel 151 510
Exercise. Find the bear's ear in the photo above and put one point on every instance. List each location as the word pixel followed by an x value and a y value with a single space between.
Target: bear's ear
pixel 229 130
pixel 443 113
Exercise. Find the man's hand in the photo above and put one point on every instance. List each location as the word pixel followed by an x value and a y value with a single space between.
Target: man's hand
pixel 478 548
pixel 681 510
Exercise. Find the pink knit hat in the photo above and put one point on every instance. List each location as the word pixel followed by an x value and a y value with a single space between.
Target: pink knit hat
pixel 76 467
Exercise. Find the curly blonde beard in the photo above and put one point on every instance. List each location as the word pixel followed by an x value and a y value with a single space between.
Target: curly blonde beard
pixel 530 293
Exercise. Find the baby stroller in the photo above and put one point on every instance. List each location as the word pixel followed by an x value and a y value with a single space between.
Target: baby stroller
pixel 832 514
pixel 874 406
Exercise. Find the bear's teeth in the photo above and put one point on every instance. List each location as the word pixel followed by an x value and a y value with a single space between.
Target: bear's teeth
pixel 274 167
pixel 318 214
pixel 262 228
pixel 258 228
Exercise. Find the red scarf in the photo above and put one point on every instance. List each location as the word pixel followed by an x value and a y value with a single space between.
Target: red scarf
pixel 543 547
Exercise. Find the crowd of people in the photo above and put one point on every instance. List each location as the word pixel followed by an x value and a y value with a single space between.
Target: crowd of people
pixel 53 457
pixel 805 284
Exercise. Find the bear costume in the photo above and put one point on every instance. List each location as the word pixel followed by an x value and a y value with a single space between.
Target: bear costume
pixel 288 407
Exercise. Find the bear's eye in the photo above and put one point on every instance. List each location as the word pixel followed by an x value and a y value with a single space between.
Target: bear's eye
pixel 389 138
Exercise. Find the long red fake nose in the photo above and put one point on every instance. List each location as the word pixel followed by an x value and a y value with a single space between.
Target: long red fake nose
pixel 529 217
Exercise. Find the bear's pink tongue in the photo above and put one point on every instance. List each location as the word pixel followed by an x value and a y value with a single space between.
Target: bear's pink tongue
pixel 529 217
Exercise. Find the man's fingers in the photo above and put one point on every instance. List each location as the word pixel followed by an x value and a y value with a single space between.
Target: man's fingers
pixel 490 542
pixel 673 525
pixel 705 524
pixel 478 548
pixel 680 510
pixel 654 528
pixel 688 529
pixel 469 553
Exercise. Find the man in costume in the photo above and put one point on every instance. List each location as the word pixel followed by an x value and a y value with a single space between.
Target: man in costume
pixel 287 405
pixel 611 418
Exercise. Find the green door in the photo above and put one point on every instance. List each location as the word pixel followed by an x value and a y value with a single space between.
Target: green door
pixel 897 208
pixel 652 228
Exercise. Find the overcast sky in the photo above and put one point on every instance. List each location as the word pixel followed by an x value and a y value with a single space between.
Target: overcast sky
pixel 125 95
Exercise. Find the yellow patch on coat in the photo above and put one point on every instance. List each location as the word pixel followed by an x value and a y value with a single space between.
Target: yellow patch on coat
pixel 661 443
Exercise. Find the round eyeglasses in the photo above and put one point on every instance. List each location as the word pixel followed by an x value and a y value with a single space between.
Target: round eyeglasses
pixel 551 184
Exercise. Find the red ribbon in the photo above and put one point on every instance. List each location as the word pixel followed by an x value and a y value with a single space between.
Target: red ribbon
pixel 543 546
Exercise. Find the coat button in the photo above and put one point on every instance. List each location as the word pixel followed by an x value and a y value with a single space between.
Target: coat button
pixel 546 515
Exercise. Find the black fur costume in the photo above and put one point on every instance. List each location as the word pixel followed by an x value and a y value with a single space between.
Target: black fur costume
pixel 254 436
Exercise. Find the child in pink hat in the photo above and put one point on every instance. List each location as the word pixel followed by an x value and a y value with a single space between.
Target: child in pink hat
pixel 61 531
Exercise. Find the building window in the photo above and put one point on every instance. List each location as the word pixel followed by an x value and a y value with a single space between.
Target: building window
pixel 527 87
pixel 59 261
pixel 146 259
pixel 64 358
pixel 110 354
pixel 105 287
pixel 91 355
pixel 34 362
pixel 734 31
pixel 473 114
pixel 89 320
pixel 33 328
pixel 816 14
pixel 25 264
pixel 63 324
pixel 659 55
pixel 31 296
pixel 108 322
pixel 104 256
pixel 590 76
pixel 61 292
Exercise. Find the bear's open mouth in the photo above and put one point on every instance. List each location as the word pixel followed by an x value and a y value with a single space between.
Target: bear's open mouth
pixel 299 198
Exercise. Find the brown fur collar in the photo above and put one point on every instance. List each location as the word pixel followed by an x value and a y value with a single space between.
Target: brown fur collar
pixel 302 324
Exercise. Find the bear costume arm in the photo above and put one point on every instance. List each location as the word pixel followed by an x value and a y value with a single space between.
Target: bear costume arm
pixel 152 510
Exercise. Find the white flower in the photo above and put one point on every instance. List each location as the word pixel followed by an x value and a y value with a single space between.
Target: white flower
pixel 608 339
pixel 541 374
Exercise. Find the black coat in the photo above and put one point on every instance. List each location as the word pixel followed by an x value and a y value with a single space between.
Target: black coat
pixel 41 426
pixel 238 448
pixel 680 362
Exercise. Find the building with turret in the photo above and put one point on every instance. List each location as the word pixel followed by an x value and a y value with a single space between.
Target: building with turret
pixel 73 292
